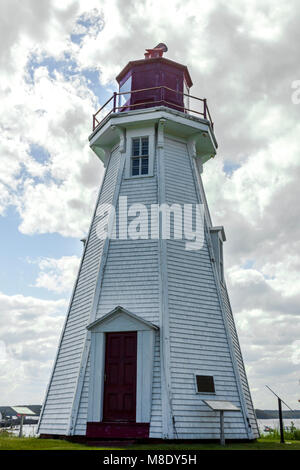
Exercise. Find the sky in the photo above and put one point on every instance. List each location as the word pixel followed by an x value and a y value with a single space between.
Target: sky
pixel 58 62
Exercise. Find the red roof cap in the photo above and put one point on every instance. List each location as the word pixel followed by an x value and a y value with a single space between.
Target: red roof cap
pixel 157 51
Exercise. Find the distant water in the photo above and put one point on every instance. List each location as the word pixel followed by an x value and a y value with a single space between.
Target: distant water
pixel 274 423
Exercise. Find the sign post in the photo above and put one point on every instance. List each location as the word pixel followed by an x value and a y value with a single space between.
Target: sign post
pixel 280 421
pixel 21 425
pixel 22 411
pixel 221 406
pixel 280 401
pixel 222 434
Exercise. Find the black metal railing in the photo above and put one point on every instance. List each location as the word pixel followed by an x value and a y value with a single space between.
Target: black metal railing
pixel 111 105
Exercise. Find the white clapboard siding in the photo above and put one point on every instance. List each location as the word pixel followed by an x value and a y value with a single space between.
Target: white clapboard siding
pixel 81 418
pixel 132 265
pixel 238 353
pixel 66 368
pixel 131 279
pixel 156 409
pixel 193 313
pixel 197 333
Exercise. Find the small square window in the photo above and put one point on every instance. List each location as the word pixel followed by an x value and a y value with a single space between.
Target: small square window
pixel 205 384
pixel 140 156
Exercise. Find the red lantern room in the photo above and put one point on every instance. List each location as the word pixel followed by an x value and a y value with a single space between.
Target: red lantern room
pixel 153 81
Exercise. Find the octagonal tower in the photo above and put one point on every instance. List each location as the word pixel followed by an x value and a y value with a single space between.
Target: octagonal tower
pixel 149 337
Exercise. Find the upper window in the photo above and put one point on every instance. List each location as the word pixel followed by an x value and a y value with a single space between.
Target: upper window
pixel 140 156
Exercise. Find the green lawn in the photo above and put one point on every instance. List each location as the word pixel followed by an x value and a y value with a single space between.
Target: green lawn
pixel 31 443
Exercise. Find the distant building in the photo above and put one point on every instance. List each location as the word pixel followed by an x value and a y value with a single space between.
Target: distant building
pixel 8 414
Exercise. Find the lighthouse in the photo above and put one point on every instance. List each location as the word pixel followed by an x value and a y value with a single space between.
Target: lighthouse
pixel 149 348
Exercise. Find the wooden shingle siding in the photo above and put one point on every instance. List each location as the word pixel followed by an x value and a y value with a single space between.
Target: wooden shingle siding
pixel 198 337
pixel 81 419
pixel 67 363
pixel 164 283
pixel 131 271
pixel 156 409
pixel 238 354
pixel 130 279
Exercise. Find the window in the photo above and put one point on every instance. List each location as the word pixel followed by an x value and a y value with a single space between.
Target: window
pixel 140 152
pixel 140 156
pixel 186 98
pixel 205 384
pixel 126 87
pixel 221 261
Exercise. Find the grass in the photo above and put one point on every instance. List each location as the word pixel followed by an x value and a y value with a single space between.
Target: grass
pixel 33 443
pixel 292 434
pixel 260 444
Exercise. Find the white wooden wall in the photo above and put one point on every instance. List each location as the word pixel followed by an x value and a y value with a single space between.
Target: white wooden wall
pixel 238 355
pixel 198 337
pixel 196 305
pixel 57 408
pixel 131 279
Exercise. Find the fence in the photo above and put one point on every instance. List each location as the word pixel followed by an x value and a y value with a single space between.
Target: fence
pixel 163 97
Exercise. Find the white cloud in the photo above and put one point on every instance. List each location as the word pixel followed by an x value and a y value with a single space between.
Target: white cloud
pixel 3 355
pixel 242 58
pixel 269 331
pixel 295 356
pixel 54 113
pixel 284 275
pixel 29 332
pixel 57 275
pixel 265 20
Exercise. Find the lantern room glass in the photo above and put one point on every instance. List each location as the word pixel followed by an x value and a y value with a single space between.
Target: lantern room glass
pixel 125 88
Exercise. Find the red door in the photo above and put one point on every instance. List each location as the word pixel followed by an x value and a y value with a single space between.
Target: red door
pixel 120 377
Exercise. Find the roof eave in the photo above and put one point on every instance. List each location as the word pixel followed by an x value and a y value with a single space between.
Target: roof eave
pixel 132 63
